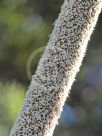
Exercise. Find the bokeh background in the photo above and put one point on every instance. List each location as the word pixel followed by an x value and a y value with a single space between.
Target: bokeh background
pixel 25 26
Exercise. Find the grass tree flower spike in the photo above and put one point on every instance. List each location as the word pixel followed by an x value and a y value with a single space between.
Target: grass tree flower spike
pixel 57 68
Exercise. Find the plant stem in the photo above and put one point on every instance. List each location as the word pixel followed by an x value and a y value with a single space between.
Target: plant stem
pixel 57 68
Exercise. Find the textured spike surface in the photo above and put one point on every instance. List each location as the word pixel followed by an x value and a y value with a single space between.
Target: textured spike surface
pixel 57 68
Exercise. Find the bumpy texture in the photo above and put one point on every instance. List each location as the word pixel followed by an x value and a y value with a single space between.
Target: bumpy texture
pixel 57 68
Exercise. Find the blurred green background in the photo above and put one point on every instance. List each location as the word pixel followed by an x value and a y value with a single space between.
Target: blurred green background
pixel 24 27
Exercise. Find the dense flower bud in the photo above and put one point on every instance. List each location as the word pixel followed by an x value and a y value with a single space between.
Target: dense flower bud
pixel 57 68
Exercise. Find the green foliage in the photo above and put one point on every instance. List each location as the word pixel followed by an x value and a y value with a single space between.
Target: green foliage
pixel 21 32
pixel 11 97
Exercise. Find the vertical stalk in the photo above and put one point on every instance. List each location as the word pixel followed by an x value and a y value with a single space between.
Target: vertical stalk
pixel 57 68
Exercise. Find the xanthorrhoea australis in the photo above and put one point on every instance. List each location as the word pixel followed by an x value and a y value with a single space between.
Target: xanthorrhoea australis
pixel 57 68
